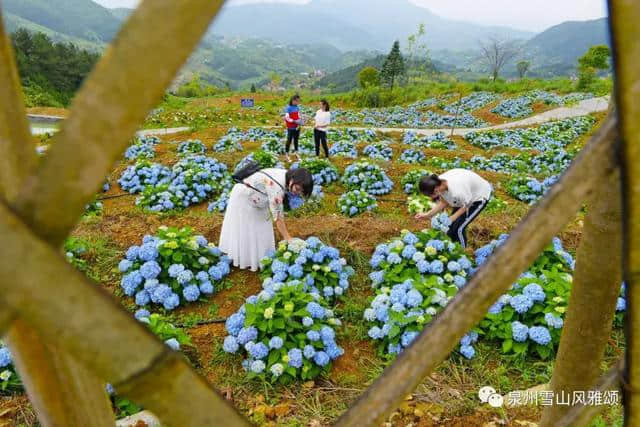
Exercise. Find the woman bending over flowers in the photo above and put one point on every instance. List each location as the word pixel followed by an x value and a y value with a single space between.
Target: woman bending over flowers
pixel 247 234
pixel 464 191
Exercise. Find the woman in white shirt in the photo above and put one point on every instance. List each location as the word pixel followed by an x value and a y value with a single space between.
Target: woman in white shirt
pixel 322 121
pixel 464 191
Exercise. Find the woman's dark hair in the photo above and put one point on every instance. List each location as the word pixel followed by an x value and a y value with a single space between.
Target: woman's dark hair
pixel 293 98
pixel 325 104
pixel 429 183
pixel 301 177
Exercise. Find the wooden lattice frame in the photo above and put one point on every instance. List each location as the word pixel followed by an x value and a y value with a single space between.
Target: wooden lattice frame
pixel 54 318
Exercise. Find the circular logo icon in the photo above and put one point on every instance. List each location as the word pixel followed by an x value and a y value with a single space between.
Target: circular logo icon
pixel 496 400
pixel 485 392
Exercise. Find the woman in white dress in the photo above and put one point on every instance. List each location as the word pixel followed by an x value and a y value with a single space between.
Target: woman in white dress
pixel 247 233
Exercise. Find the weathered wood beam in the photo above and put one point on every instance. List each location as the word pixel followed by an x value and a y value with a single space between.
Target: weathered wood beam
pixel 581 415
pixel 126 84
pixel 624 16
pixel 87 323
pixel 533 233
pixel 592 304
pixel 62 391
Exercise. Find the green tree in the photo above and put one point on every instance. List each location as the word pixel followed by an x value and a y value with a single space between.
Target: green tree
pixel 50 71
pixel 418 59
pixel 523 68
pixel 253 88
pixel 393 67
pixel 596 58
pixel 368 77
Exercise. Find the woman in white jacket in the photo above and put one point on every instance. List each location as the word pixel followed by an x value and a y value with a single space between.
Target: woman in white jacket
pixel 322 122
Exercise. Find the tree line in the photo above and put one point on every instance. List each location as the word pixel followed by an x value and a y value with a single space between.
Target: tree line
pixel 50 72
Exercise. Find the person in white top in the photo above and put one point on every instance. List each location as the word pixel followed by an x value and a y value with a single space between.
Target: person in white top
pixel 322 122
pixel 464 191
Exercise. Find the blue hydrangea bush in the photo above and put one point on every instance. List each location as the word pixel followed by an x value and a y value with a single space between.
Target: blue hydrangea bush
pixel 140 150
pixel 411 180
pixel 528 319
pixel 318 267
pixel 191 146
pixel 438 141
pixel 368 177
pixel 344 149
pixel 355 202
pixel 378 151
pixel 412 156
pixel 194 180
pixel 231 141
pixel 529 189
pixel 173 267
pixel 415 276
pixel 9 379
pixel 284 334
pixel 144 173
pixel 273 145
pixel 323 171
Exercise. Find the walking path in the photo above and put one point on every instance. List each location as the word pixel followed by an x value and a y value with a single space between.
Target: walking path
pixel 582 108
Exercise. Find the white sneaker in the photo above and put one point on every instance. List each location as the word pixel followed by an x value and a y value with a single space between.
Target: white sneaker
pixel 297 155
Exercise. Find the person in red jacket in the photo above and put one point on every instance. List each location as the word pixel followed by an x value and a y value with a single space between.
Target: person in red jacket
pixel 293 120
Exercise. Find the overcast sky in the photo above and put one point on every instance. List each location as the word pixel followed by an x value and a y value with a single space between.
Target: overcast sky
pixel 523 14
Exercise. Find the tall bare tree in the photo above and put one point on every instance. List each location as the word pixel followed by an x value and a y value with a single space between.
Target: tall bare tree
pixel 497 52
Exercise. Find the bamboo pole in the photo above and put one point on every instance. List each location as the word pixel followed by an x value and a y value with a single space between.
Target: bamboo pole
pixel 63 392
pixel 624 17
pixel 127 82
pixel 534 232
pixel 592 305
pixel 100 334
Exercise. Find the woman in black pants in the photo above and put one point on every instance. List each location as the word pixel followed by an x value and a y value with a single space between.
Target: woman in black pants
pixel 322 121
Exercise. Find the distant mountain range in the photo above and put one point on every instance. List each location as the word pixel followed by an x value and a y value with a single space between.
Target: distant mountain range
pixel 352 24
pixel 323 34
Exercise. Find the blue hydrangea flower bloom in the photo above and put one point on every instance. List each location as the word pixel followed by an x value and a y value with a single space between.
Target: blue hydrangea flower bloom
pixel 235 323
pixel 467 351
pixel 621 304
pixel 5 357
pixel 173 344
pixel 191 293
pixel 408 337
pixel 277 369
pixel 535 292
pixel 521 303
pixel 259 351
pixel 553 321
pixel 171 302
pixel 540 335
pixel 247 334
pixel 142 297
pixel 394 258
pixel 275 342
pixel 295 358
pixel 142 313
pixel 150 270
pixel 519 331
pixel 376 333
pixel 184 277
pixel 309 351
pixel 124 265
pixel 206 288
pixel 313 335
pixel 257 366
pixel 175 269
pixel 408 251
pixel 321 358
pixel 230 344
pixel 316 310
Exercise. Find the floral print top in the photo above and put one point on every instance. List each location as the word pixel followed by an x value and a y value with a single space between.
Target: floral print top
pixel 274 194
